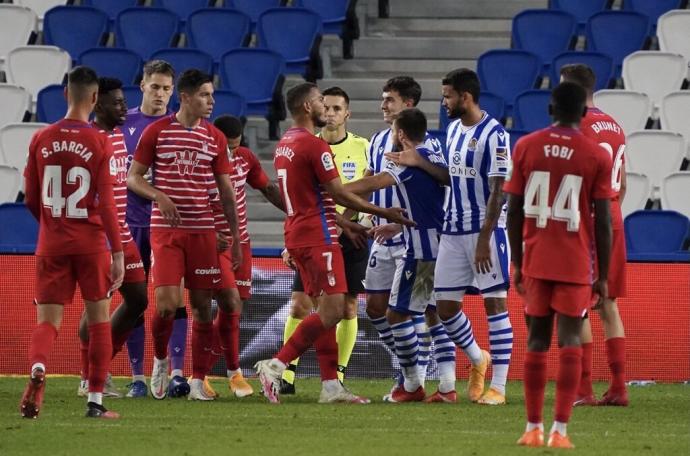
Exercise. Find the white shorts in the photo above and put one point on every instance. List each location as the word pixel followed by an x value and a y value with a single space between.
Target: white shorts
pixel 413 286
pixel 455 271
pixel 382 266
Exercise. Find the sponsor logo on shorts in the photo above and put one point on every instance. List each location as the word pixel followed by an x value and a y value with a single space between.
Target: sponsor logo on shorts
pixel 331 279
pixel 408 274
pixel 209 271
pixel 244 283
pixel 216 280
pixel 138 265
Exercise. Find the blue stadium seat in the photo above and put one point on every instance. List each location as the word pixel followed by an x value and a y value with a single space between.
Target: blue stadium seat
pixel 133 96
pixel 294 33
pixel 652 8
pixel 183 8
pixel 531 110
pixel 258 81
pixel 617 34
pixel 601 64
pixel 656 236
pixel 160 30
pixel 228 102
pixel 51 104
pixel 489 102
pixel 253 8
pixel 515 135
pixel 507 73
pixel 183 59
pixel 581 9
pixel 545 33
pixel 74 28
pixel 122 64
pixel 110 7
pixel 332 13
pixel 215 31
pixel 19 231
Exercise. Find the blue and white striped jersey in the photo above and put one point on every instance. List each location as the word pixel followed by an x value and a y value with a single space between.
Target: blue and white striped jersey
pixel 380 144
pixel 422 196
pixel 475 154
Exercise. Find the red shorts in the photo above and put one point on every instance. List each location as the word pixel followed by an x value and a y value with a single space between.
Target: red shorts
pixel 182 254
pixel 616 281
pixel 134 267
pixel 544 297
pixel 57 276
pixel 321 268
pixel 227 275
pixel 243 274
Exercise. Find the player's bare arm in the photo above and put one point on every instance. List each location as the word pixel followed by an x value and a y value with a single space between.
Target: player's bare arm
pixel 139 185
pixel 351 214
pixel 515 222
pixel 624 184
pixel 366 185
pixel 482 256
pixel 227 199
pixel 603 236
pixel 348 199
pixel 353 230
pixel 411 157
pixel 272 193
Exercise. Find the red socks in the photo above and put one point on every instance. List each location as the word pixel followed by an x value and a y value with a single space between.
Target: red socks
pixel 303 338
pixel 100 351
pixel 327 354
pixel 586 379
pixel 41 343
pixel 202 343
pixel 227 326
pixel 535 383
pixel 615 353
pixel 569 372
pixel 161 328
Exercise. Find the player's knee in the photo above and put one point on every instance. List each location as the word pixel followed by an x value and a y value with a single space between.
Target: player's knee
pixel 448 309
pixel 495 305
pixel 377 304
pixel 302 305
pixel 350 311
pixel 569 340
pixel 202 314
pixel 395 317
pixel 608 310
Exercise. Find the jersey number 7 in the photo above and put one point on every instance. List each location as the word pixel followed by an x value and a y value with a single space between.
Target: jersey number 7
pixel 566 204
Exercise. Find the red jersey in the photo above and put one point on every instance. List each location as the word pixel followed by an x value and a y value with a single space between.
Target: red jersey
pixel 185 161
pixel 603 129
pixel 247 170
pixel 304 162
pixel 117 141
pixel 560 172
pixel 69 189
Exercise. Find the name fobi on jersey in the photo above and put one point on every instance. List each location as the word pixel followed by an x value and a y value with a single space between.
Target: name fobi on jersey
pixel 558 151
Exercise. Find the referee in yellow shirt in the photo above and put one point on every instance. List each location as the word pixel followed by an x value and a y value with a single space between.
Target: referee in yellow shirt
pixel 351 159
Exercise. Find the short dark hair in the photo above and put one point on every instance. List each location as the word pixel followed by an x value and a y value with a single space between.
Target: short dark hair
pixel 79 80
pixel 336 92
pixel 106 85
pixel 231 126
pixel 463 80
pixel 413 122
pixel 568 101
pixel 580 74
pixel 190 80
pixel 406 86
pixel 297 95
pixel 158 67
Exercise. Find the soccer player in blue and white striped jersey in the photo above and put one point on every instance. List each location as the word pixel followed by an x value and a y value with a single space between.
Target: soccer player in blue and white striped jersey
pixel 412 285
pixel 474 251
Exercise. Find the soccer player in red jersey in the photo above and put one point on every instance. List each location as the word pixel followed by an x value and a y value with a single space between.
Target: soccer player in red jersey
pixel 110 110
pixel 310 187
pixel 187 154
pixel 557 175
pixel 605 130
pixel 69 189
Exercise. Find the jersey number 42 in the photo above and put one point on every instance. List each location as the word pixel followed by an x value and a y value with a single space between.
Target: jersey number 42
pixel 52 196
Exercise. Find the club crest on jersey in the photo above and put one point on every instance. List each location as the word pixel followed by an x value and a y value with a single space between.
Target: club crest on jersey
pixel 120 168
pixel 349 169
pixel 472 146
pixel 327 161
pixel 186 161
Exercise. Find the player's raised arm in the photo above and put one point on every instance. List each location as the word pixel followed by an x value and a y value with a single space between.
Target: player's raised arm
pixel 409 156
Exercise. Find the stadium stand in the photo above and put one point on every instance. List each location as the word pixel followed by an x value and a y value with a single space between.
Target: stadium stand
pixel 23 61
pixel 631 110
pixel 15 102
pixel 651 235
pixel 110 7
pixel 17 26
pixel 508 73
pixel 581 9
pixel 183 8
pixel 161 30
pixel 253 8
pixel 531 110
pixel 19 236
pixel 674 115
pixel 227 102
pixel 333 13
pixel 655 154
pixel 14 142
pixel 75 28
pixel 545 33
pixel 515 135
pixel 637 193
pixel 674 193
pixel 132 95
pixel 40 7
pixel 673 31
pixel 601 64
pixel 182 59
pixel 122 64
pixel 51 104
pixel 218 30
pixel 653 9
pixel 654 73
pixel 10 181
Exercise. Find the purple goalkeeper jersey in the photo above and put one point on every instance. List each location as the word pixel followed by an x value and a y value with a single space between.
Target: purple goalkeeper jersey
pixel 138 208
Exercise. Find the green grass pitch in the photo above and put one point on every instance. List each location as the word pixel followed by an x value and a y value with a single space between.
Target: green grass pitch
pixel 656 423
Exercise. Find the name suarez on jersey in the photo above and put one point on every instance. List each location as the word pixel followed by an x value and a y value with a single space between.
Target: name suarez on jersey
pixel 286 152
pixel 68 146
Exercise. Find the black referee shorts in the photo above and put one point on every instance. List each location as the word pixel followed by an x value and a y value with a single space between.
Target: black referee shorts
pixel 355 267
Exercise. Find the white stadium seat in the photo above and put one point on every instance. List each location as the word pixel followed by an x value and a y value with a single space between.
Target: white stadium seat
pixel 673 30
pixel 630 109
pixel 655 154
pixel 10 181
pixel 16 25
pixel 15 101
pixel 40 6
pixel 675 115
pixel 636 193
pixel 654 73
pixel 675 193
pixel 14 143
pixel 34 67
